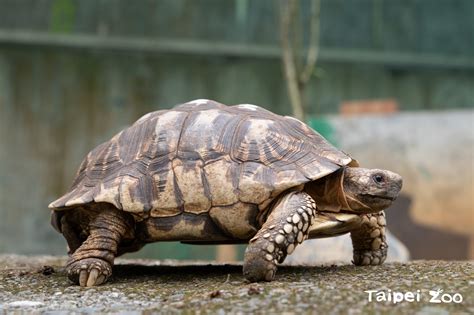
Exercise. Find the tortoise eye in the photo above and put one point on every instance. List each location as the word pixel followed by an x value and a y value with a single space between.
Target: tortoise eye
pixel 379 179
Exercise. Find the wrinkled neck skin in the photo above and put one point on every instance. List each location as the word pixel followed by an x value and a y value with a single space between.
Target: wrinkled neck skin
pixel 328 192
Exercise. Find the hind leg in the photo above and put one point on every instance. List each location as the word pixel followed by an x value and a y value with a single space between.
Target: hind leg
pixel 369 241
pixel 286 227
pixel 91 263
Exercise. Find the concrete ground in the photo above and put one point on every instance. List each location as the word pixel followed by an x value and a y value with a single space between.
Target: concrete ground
pixel 38 284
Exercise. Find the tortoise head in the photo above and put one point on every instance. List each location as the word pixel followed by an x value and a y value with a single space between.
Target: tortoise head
pixel 370 190
pixel 355 190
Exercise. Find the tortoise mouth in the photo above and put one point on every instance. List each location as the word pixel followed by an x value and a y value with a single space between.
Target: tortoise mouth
pixel 379 197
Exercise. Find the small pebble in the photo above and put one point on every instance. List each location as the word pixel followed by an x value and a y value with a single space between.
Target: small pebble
pixel 253 290
pixel 215 294
pixel 46 270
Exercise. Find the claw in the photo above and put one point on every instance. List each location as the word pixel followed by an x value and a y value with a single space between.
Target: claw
pixel 93 274
pixel 100 280
pixel 83 278
pixel 89 272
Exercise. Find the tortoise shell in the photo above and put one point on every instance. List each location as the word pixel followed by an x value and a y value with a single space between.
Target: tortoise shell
pixel 200 156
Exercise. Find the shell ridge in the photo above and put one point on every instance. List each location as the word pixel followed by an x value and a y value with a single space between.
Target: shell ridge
pixel 235 134
pixel 183 126
pixel 137 164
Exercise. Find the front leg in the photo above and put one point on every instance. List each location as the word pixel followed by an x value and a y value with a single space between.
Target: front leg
pixel 369 240
pixel 286 227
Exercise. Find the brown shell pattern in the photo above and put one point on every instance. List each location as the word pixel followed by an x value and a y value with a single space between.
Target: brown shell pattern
pixel 199 155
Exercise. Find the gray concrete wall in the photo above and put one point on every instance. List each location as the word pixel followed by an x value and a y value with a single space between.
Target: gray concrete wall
pixel 389 26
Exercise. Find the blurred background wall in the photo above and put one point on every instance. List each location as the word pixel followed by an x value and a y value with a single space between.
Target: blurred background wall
pixel 393 85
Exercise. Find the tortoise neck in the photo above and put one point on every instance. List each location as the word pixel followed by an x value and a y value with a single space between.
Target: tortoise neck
pixel 328 192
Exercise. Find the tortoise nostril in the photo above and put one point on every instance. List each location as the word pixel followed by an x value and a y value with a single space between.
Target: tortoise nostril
pixel 399 182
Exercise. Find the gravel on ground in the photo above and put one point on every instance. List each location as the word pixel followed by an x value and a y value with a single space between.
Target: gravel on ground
pixel 38 283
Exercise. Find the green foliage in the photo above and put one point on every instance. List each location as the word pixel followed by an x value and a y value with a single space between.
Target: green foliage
pixel 324 127
pixel 63 16
pixel 176 250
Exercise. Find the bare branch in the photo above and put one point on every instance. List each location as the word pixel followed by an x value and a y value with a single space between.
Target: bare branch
pixel 287 14
pixel 313 49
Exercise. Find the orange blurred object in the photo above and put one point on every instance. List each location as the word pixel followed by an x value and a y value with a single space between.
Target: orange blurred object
pixel 380 106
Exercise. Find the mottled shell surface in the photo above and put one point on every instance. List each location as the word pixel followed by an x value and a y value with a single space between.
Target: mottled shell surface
pixel 200 156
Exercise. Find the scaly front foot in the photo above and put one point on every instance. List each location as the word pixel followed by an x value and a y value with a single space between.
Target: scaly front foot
pixel 369 241
pixel 286 227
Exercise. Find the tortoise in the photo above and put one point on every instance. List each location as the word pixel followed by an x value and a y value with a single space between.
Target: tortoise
pixel 206 173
